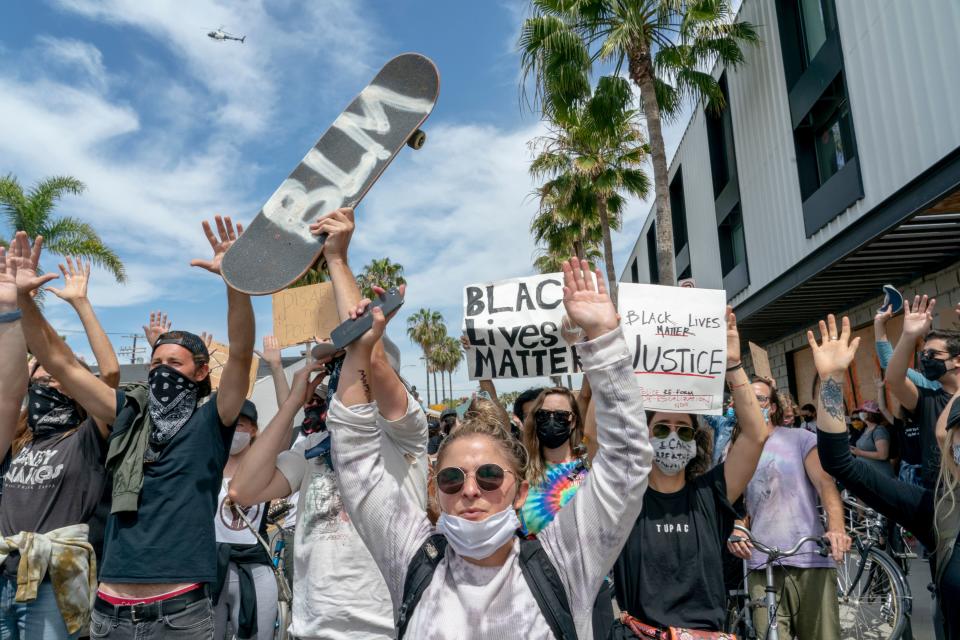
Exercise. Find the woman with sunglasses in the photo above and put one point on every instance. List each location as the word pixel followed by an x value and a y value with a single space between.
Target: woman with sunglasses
pixel 670 573
pixel 478 588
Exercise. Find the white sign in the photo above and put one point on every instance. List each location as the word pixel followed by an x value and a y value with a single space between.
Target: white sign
pixel 678 338
pixel 513 328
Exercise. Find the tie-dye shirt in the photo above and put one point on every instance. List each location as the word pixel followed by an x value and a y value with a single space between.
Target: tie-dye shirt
pixel 544 501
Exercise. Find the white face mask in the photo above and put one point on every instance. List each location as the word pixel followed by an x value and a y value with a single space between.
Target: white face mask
pixel 479 539
pixel 240 441
pixel 671 454
pixel 956 453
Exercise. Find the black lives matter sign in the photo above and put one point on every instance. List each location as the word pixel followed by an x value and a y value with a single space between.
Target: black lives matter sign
pixel 513 328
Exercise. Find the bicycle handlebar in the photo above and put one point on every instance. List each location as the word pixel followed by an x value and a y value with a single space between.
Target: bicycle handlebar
pixel 774 553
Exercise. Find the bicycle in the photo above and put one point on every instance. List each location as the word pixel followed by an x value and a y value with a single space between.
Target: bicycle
pixel 876 528
pixel 284 593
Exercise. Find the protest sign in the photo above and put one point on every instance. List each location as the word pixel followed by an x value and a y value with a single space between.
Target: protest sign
pixel 761 362
pixel 219 354
pixel 513 328
pixel 301 313
pixel 678 338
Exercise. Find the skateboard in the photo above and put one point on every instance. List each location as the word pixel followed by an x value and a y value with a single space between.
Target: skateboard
pixel 277 248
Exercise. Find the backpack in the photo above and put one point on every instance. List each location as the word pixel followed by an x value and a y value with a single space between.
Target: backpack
pixel 538 571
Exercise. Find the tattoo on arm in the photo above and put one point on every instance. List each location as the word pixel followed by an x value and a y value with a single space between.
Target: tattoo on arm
pixel 831 397
pixel 366 385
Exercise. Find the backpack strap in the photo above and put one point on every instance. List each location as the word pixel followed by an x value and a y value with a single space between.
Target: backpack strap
pixel 419 575
pixel 547 589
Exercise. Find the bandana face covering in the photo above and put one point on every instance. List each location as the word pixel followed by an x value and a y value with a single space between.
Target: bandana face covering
pixel 479 539
pixel 173 399
pixel 50 411
pixel 671 454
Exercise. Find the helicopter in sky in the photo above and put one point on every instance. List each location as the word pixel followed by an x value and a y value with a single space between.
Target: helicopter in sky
pixel 220 36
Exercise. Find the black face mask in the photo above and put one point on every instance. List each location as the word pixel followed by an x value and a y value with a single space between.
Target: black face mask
pixel 173 399
pixel 933 369
pixel 553 433
pixel 49 411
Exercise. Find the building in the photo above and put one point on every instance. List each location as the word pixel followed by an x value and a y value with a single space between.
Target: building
pixel 833 169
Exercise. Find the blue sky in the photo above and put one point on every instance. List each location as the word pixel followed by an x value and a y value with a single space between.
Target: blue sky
pixel 167 127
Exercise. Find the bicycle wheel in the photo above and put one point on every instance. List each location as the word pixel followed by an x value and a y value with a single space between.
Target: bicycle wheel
pixel 874 596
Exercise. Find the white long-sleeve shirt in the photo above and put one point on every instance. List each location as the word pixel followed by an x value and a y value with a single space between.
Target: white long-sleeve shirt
pixel 467 601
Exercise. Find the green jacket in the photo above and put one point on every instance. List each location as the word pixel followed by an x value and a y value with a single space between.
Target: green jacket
pixel 126 450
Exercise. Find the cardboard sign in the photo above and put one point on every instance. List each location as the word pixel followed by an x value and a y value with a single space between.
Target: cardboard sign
pixel 678 338
pixel 513 327
pixel 219 354
pixel 301 313
pixel 761 362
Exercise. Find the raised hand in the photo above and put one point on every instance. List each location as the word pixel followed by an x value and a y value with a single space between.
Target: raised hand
pixel 75 280
pixel 588 306
pixel 207 339
pixel 571 333
pixel 8 284
pixel 733 339
pixel 156 327
pixel 339 226
pixel 836 350
pixel 370 338
pixel 465 341
pixel 302 387
pixel 271 351
pixel 918 318
pixel 226 236
pixel 23 259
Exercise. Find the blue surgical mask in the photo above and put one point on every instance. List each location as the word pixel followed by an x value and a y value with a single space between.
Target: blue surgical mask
pixel 766 414
pixel 731 413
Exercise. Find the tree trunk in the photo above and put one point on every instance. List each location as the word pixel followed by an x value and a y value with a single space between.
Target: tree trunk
pixel 607 248
pixel 426 366
pixel 439 400
pixel 450 378
pixel 443 388
pixel 578 249
pixel 642 74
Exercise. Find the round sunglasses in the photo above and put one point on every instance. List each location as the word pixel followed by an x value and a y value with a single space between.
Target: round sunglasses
pixel 543 416
pixel 489 477
pixel 685 432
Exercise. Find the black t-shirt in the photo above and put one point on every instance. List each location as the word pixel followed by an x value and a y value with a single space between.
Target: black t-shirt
pixel 908 441
pixel 930 404
pixel 52 483
pixel 670 572
pixel 170 538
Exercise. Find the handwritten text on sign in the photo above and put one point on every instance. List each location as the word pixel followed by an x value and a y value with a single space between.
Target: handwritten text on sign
pixel 513 327
pixel 678 337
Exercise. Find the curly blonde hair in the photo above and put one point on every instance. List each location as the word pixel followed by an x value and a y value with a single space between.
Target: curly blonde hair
pixel 485 421
pixel 947 481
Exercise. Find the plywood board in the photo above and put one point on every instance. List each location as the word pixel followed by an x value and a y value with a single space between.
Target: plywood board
pixel 219 355
pixel 761 361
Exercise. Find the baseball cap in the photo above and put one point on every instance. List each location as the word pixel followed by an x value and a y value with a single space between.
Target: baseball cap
pixel 249 410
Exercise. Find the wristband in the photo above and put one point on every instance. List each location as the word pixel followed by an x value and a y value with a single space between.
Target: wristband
pixel 739 365
pixel 10 316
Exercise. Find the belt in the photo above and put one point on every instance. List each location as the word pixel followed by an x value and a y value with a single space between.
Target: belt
pixel 145 611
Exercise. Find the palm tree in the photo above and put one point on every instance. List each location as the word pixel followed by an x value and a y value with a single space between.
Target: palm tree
pixel 422 331
pixel 314 275
pixel 599 148
pixel 65 235
pixel 446 357
pixel 381 273
pixel 668 47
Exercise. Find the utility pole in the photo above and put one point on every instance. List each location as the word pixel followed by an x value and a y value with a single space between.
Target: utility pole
pixel 133 351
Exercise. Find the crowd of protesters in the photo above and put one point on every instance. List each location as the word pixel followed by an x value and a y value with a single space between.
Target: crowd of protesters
pixel 141 510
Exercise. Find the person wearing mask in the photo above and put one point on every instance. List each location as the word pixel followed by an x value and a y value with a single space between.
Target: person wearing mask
pixel 339 592
pixel 781 504
pixel 245 596
pixel 931 514
pixel 857 426
pixel 939 362
pixel 907 435
pixel 873 444
pixel 166 456
pixel 472 577
pixel 670 572
pixel 448 420
pixel 808 418
pixel 55 479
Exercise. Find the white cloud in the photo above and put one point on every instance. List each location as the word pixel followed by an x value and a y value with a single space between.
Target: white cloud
pixel 77 55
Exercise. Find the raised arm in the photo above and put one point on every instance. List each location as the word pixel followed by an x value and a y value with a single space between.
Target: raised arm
pixel 94 395
pixel 13 357
pixel 917 321
pixel 881 387
pixel 74 292
pixel 900 501
pixel 885 350
pixel 156 326
pixel 745 453
pixel 271 355
pixel 338 226
pixel 257 479
pixel 241 328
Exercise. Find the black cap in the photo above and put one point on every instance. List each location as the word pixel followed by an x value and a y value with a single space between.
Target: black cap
pixel 189 341
pixel 249 410
pixel 954 418
pixel 448 413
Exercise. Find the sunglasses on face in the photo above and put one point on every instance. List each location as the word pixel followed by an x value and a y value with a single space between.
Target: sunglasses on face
pixel 544 416
pixel 684 432
pixel 489 477
pixel 932 353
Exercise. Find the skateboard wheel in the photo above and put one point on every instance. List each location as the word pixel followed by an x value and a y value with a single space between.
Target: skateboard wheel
pixel 416 140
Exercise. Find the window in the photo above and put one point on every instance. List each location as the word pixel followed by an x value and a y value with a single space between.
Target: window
pixel 733 246
pixel 813 25
pixel 686 274
pixel 634 271
pixel 678 213
pixel 824 139
pixel 652 254
pixel 834 143
pixel 720 142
